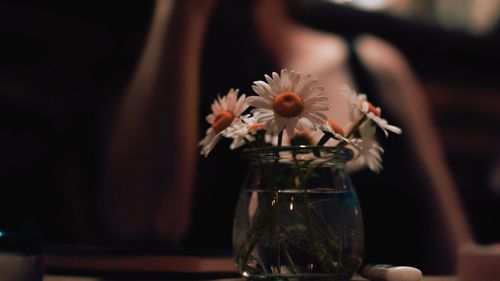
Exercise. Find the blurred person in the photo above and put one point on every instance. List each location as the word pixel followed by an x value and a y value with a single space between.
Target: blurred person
pixel 160 189
pixel 153 148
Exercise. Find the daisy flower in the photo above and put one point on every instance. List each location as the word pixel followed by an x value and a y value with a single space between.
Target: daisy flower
pixel 242 131
pixel 288 101
pixel 368 147
pixel 333 128
pixel 225 111
pixel 361 104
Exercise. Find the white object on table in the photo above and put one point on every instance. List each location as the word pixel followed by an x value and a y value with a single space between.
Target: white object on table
pixel 384 272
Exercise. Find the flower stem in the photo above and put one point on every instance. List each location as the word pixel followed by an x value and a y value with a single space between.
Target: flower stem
pixel 316 246
pixel 324 139
pixel 289 260
pixel 260 138
pixel 280 138
pixel 249 143
pixel 316 249
pixel 355 127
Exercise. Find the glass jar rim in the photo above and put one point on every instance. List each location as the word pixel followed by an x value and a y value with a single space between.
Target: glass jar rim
pixel 342 154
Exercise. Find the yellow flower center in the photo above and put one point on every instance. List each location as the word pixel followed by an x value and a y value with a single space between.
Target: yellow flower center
pixel 335 127
pixel 255 127
pixel 288 104
pixel 372 108
pixel 222 121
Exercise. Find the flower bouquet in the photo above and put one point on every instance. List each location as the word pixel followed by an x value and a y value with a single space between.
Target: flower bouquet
pixel 298 215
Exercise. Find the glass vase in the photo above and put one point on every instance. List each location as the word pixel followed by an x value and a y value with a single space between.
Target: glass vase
pixel 298 216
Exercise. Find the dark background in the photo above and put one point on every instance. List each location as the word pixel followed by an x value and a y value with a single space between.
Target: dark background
pixel 64 67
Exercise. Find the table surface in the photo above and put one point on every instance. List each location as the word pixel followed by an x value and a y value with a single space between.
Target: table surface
pixel 144 267
pixel 73 278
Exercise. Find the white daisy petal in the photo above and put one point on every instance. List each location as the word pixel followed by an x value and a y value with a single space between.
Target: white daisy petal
pixel 350 95
pixel 294 80
pixel 241 105
pixel 306 123
pixel 263 117
pixel 290 126
pixel 393 129
pixel 209 135
pixel 231 98
pixel 209 142
pixel 257 101
pixel 285 81
pixel 307 88
pixel 315 99
pixel 319 107
pixel 369 148
pixel 269 80
pixel 384 125
pixel 362 97
pixel 263 90
pixel 274 83
pixel 276 77
pixel 313 118
pixel 236 144
pixel 315 91
pixel 265 113
pixel 270 126
pixel 216 107
pixel 210 118
pixel 320 115
pixel 279 125
pixel 364 107
pixel 240 132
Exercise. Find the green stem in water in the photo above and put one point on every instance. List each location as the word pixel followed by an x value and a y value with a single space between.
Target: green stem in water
pixel 260 228
pixel 316 248
pixel 324 262
pixel 289 260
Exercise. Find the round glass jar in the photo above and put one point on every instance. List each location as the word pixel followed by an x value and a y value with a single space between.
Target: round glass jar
pixel 298 216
